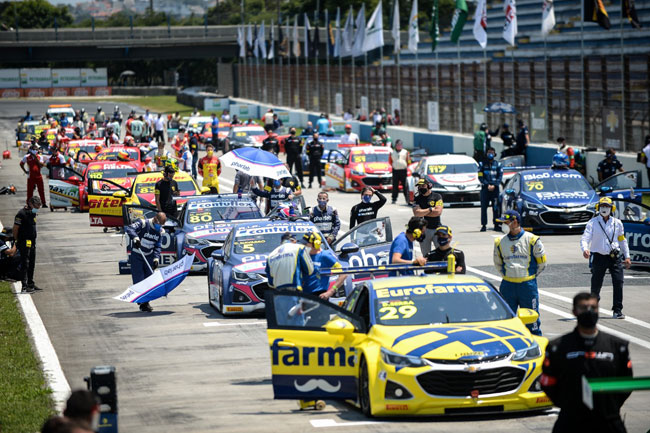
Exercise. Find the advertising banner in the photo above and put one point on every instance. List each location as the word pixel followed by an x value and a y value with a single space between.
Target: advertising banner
pixel 433 118
pixel 101 91
pixel 80 91
pixel 612 128
pixel 216 104
pixel 9 78
pixel 36 93
pixel 35 77
pixel 60 91
pixel 94 77
pixel 10 93
pixel 66 78
pixel 283 116
pixel 538 124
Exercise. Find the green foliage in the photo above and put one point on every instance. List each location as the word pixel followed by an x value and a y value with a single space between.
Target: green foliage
pixel 34 14
pixel 25 401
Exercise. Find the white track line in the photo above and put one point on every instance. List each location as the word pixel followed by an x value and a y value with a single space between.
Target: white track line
pixel 215 324
pixel 328 422
pixel 51 367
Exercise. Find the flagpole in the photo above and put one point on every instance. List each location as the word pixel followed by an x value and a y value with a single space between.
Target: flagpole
pixel 381 70
pixel 399 78
pixel 622 86
pixel 417 89
pixel 244 74
pixel 485 74
pixel 460 98
pixel 365 72
pixel 266 71
pixel 437 80
pixel 548 111
pixel 512 60
pixel 327 60
pixel 316 74
pixel 582 70
pixel 354 81
pixel 306 104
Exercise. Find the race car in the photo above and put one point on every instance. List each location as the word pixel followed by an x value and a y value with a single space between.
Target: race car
pixel 635 217
pixel 330 142
pixel 455 177
pixel 84 150
pixel 628 184
pixel 244 136
pixel 405 346
pixel 550 199
pixel 106 209
pixel 55 111
pixel 352 169
pixel 69 186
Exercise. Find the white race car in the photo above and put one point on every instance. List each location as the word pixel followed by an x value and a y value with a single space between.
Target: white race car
pixel 455 177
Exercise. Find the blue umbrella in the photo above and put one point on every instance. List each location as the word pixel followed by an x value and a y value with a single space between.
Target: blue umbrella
pixel 255 162
pixel 500 107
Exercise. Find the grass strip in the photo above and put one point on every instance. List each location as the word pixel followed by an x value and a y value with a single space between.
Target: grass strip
pixel 25 400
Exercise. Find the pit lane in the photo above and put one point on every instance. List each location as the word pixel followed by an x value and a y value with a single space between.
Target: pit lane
pixel 186 368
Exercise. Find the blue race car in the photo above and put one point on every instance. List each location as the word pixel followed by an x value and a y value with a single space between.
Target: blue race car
pixel 236 273
pixel 202 226
pixel 628 184
pixel 330 142
pixel 550 199
pixel 636 222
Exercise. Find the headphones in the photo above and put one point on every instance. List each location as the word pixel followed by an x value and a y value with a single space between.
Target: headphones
pixel 417 233
pixel 606 200
pixel 314 239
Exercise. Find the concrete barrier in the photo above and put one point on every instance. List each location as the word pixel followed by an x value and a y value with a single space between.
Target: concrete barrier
pixel 144 91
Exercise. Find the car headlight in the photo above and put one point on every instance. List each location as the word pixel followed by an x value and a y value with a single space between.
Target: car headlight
pixel 592 207
pixel 398 360
pixel 357 173
pixel 245 276
pixel 528 353
pixel 533 206
pixel 196 241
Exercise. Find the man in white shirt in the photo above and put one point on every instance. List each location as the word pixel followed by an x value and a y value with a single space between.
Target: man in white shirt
pixel 349 138
pixel 604 240
pixel 400 160
pixel 159 129
pixel 268 119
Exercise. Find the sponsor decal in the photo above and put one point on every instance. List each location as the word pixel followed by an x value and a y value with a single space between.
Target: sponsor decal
pixel 235 309
pixel 397 407
pixel 314 356
pixel 106 202
pixel 96 220
pixel 313 384
pixel 431 289
pixel 555 175
pixel 557 195
pixel 543 400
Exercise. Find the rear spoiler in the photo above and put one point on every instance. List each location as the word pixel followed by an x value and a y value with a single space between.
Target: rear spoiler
pixel 448 266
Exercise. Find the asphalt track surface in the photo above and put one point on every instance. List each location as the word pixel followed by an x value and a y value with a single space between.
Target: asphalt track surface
pixel 184 367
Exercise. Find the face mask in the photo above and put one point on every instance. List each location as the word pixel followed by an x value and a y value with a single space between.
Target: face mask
pixel 443 241
pixel 322 203
pixel 210 153
pixel 422 191
pixel 33 152
pixel 156 226
pixel 366 198
pixel 490 155
pixel 605 211
pixel 588 319
pixel 34 210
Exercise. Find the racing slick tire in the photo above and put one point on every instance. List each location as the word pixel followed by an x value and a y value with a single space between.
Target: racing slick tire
pixel 364 389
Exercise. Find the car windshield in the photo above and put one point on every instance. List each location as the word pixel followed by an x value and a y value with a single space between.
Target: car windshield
pixel 110 173
pixel 209 211
pixel 184 186
pixel 555 183
pixel 451 168
pixel 357 157
pixel 263 240
pixel 112 155
pixel 249 132
pixel 438 303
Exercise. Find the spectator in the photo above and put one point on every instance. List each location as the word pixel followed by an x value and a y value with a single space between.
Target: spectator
pixel 235 120
pixel 347 115
pixel 609 166
pixel 396 119
pixel 195 113
pixel 159 129
pixel 323 124
pixel 385 139
pixel 277 123
pixel 175 121
pixel 309 130
pixel 225 116
pixel 268 119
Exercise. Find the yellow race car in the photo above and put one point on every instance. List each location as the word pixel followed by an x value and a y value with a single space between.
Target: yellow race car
pixel 416 345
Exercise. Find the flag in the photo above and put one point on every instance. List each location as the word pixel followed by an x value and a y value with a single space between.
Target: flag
pixel 331 34
pixel 480 24
pixel 337 43
pixel 510 26
pixel 360 24
pixel 315 44
pixel 241 41
pixel 296 41
pixel 629 12
pixel 347 36
pixel 458 20
pixel 272 42
pixel 395 30
pixel 306 31
pixel 374 37
pixel 434 31
pixel 261 41
pixel 249 39
pixel 256 45
pixel 414 31
pixel 595 12
pixel 548 17
pixel 283 40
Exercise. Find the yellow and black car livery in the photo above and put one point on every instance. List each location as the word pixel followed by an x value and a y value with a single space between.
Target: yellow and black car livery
pixel 416 345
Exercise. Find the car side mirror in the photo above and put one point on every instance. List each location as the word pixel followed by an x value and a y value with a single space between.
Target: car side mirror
pixel 339 327
pixel 205 190
pixel 169 227
pixel 217 255
pixel 119 194
pixel 527 315
pixel 606 189
pixel 349 248
pixel 510 191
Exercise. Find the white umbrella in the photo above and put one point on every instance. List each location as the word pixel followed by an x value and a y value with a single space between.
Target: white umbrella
pixel 255 162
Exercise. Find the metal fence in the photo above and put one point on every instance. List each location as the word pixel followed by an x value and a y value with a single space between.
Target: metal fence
pixel 554 84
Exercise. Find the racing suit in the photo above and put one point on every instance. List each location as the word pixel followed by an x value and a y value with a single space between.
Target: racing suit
pixel 490 172
pixel 289 267
pixel 573 356
pixel 35 179
pixel 210 169
pixel 150 243
pixel 327 220
pixel 275 196
pixel 519 259
pixel 293 148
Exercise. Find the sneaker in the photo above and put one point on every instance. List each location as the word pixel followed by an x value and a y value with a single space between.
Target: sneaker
pixel 27 289
pixel 34 287
pixel 146 307
pixel 483 228
pixel 618 314
pixel 393 201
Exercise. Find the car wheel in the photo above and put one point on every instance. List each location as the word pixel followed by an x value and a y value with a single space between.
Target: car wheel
pixel 364 389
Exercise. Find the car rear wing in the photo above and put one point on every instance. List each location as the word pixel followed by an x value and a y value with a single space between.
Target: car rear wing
pixel 449 266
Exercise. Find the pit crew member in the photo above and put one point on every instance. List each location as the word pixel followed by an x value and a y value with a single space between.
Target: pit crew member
pixel 293 148
pixel 146 237
pixel 315 149
pixel 490 174
pixel 271 143
pixel 326 218
pixel 401 250
pixel 166 189
pixel 444 249
pixel 210 169
pixel 519 257
pixel 427 204
pixel 349 138
pixel 322 259
pixel 276 194
pixel 289 266
pixel 34 162
pixel 366 210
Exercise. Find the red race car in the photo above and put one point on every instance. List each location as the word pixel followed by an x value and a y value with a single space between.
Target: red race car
pixel 352 169
pixel 122 153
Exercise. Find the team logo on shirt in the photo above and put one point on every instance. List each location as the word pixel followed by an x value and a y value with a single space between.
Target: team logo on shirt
pixel 513 248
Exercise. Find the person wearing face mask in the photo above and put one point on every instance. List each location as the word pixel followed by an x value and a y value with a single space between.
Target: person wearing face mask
pixel 591 353
pixel 322 259
pixel 401 250
pixel 326 218
pixel 34 162
pixel 490 173
pixel 210 169
pixel 185 156
pixel 275 194
pixel 165 191
pixel 367 209
pixel 24 233
pixel 293 148
pixel 609 166
pixel 315 149
pixel 145 236
pixel 428 205
pixel 604 240
pixel 440 254
pixel 519 258
pixel 400 160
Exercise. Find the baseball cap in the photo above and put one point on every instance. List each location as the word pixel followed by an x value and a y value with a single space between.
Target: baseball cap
pixel 443 229
pixel 509 216
pixel 422 181
pixel 347 125
pixel 287 236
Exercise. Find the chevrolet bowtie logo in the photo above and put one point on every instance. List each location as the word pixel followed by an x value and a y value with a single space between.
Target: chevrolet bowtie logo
pixel 612 121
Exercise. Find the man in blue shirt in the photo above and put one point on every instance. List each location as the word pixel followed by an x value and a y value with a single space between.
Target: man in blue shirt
pixel 323 124
pixel 490 173
pixel 323 259
pixel 214 126
pixel 401 250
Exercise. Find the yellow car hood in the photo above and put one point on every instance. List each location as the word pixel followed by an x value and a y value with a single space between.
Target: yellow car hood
pixel 467 341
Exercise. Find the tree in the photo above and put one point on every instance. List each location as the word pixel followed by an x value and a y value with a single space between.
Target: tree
pixel 34 14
